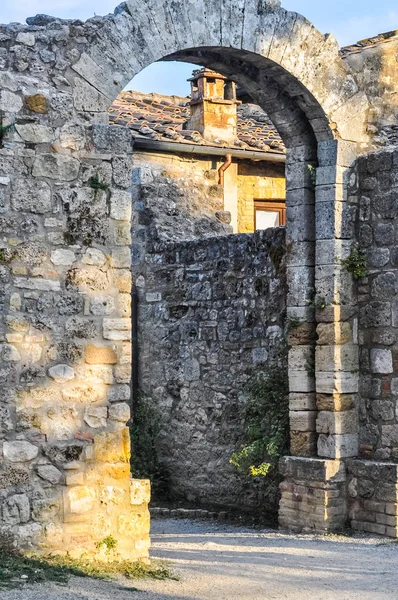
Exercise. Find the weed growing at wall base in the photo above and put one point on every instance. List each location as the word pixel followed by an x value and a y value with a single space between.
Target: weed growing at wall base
pixel 17 570
pixel 266 428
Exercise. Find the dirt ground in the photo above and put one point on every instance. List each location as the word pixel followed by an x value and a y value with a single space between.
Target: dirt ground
pixel 223 562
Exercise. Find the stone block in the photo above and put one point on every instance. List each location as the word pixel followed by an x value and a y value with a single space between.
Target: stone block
pixel 333 333
pixel 63 257
pixel 381 361
pixel 338 382
pixel 95 257
pixel 301 381
pixel 336 152
pixel 302 420
pixel 36 103
pixel 337 422
pixel 301 285
pixel 119 412
pixel 79 499
pixel 140 491
pixel 338 446
pixel 301 358
pixel 303 443
pixel 117 329
pixel 30 196
pixel 95 416
pixel 56 166
pixel 319 470
pixel 61 373
pixel 112 447
pixel 20 451
pixel 329 252
pixel 337 358
pixel 298 402
pixel 389 435
pixel 50 473
pixel 112 139
pixel 121 204
pixel 100 355
pixel 335 402
pixel 86 98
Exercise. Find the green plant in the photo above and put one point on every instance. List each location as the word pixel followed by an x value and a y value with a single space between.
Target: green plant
pixel 266 436
pixel 312 171
pixel 96 184
pixel 320 303
pixel 17 569
pixel 109 542
pixel 356 262
pixel 4 130
pixel 144 432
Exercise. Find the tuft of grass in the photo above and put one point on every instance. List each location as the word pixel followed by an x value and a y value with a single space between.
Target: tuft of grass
pixel 17 569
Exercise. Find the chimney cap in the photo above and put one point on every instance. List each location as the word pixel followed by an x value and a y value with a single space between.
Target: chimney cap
pixel 205 72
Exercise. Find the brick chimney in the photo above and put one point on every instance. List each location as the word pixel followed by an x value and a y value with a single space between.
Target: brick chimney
pixel 213 106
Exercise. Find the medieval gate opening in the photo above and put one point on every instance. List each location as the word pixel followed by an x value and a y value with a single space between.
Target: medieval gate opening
pixel 66 232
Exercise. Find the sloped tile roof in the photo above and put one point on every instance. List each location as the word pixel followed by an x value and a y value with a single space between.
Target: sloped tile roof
pixel 163 118
pixel 381 38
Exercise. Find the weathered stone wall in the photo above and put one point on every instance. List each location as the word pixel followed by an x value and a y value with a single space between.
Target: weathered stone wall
pixel 178 197
pixel 65 298
pixel 375 189
pixel 210 312
pixel 372 496
pixel 375 68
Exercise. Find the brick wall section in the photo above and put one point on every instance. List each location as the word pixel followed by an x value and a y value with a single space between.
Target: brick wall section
pixel 372 496
pixel 210 314
pixel 313 495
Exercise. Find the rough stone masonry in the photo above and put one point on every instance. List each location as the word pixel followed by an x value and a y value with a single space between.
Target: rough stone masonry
pixel 65 203
pixel 211 313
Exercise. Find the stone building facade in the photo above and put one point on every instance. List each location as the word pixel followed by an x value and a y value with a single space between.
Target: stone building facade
pixel 211 310
pixel 191 139
pixel 66 258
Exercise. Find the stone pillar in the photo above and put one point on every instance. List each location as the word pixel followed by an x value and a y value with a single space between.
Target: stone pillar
pixel 335 302
pixel 300 234
pixel 324 383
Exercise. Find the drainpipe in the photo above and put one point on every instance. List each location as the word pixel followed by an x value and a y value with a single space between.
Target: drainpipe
pixel 223 168
pixel 134 350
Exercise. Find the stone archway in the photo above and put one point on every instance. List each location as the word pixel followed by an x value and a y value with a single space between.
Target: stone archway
pixel 68 189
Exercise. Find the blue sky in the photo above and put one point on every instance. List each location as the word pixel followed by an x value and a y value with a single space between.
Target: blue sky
pixel 348 20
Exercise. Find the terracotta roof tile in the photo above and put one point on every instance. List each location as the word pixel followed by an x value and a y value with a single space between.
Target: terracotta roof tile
pixel 154 116
pixel 381 38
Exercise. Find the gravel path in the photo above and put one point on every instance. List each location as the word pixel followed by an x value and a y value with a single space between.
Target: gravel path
pixel 223 562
